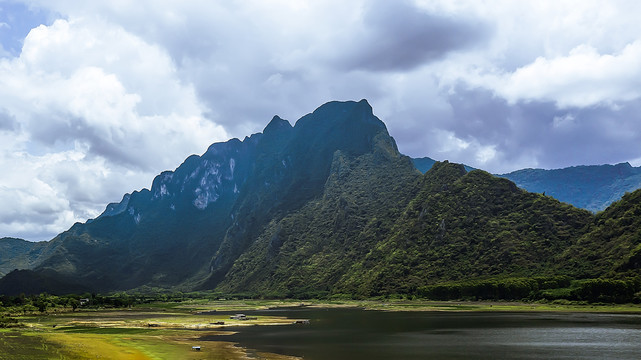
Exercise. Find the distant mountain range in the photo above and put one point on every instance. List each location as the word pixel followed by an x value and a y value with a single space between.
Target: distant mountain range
pixel 18 254
pixel 592 187
pixel 328 206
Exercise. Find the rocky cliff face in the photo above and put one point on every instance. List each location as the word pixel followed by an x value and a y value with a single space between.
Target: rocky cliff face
pixel 292 168
pixel 195 221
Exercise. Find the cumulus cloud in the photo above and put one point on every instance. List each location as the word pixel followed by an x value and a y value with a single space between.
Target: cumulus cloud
pixel 96 83
pixel 99 112
pixel 16 20
pixel 582 78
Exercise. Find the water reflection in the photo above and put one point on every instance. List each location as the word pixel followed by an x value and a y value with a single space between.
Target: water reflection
pixel 359 334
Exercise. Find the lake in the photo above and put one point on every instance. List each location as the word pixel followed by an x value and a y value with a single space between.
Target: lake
pixel 360 334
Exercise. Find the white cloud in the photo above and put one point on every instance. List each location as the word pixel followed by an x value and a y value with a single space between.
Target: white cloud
pixel 582 78
pixel 31 206
pixel 447 146
pixel 448 143
pixel 486 154
pixel 99 112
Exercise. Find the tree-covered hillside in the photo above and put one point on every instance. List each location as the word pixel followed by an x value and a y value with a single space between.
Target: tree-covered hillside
pixel 309 250
pixel 592 187
pixel 612 243
pixel 466 225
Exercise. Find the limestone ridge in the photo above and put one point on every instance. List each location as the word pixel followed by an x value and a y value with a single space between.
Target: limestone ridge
pixel 193 222
pixel 277 124
pixel 162 236
pixel 292 169
pixel 117 208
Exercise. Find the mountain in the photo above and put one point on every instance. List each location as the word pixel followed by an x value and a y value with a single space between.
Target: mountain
pixel 162 236
pixel 36 282
pixel 193 223
pixel 445 225
pixel 612 242
pixel 309 250
pixel 589 187
pixel 17 254
pixel 327 206
pixel 293 171
pixel 592 187
pixel 463 225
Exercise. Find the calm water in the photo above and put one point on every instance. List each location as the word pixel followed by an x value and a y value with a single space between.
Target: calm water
pixel 359 334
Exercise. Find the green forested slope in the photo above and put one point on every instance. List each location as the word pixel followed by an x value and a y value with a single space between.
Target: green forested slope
pixel 309 250
pixel 612 243
pixel 293 174
pixel 463 226
pixel 368 238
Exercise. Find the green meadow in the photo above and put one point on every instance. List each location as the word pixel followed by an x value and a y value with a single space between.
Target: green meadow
pixel 160 331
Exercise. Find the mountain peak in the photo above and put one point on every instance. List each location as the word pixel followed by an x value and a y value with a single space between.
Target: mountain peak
pixel 276 124
pixel 334 108
pixel 365 103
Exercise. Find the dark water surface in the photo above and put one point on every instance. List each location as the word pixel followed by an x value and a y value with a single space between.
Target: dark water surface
pixel 360 334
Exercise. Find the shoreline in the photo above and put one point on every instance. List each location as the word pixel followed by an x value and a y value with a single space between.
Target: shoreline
pixel 414 305
pixel 169 330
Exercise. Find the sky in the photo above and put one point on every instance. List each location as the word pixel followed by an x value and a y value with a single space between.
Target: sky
pixel 98 97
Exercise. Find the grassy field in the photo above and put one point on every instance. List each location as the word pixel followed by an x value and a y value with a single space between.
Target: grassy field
pixel 169 330
pixel 159 332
